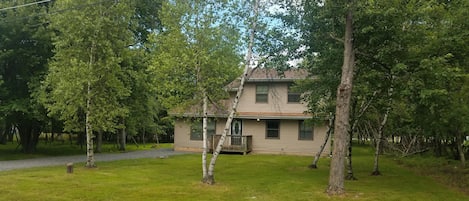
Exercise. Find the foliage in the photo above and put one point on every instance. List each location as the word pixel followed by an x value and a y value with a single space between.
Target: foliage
pixel 195 52
pixel 412 51
pixel 24 51
pixel 89 45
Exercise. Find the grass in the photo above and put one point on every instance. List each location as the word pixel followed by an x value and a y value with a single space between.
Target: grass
pixel 250 177
pixel 443 170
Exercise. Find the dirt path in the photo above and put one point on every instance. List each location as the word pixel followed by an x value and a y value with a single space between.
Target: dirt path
pixel 62 160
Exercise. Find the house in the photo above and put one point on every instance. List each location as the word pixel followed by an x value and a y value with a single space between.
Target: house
pixel 270 119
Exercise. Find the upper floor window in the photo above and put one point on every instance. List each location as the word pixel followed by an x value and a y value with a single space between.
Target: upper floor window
pixel 197 129
pixel 272 129
pixel 293 96
pixel 306 131
pixel 262 93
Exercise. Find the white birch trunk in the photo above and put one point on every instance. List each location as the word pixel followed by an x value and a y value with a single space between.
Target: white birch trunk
pixel 363 108
pixel 330 127
pixel 89 139
pixel 349 166
pixel 89 129
pixel 378 144
pixel 380 133
pixel 204 137
pixel 210 177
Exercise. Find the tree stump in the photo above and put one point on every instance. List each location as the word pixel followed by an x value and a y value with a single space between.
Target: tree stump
pixel 69 168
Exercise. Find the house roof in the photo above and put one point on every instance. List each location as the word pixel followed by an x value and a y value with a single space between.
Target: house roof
pixel 272 115
pixel 270 75
pixel 263 74
pixel 252 115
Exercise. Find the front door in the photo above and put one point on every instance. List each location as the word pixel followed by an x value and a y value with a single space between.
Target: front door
pixel 236 131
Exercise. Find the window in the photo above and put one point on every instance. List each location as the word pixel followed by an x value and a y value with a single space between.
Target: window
pixel 197 129
pixel 305 131
pixel 272 129
pixel 293 96
pixel 262 93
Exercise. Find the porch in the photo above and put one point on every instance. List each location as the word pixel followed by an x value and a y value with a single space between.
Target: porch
pixel 234 143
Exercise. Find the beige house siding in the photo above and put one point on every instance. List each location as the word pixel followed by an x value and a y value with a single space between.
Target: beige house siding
pixel 182 137
pixel 277 102
pixel 288 143
pixel 254 116
pixel 182 141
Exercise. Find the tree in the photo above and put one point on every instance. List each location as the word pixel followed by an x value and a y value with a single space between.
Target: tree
pixel 84 83
pixel 434 74
pixel 25 49
pixel 195 57
pixel 344 93
pixel 314 164
pixel 210 177
pixel 145 111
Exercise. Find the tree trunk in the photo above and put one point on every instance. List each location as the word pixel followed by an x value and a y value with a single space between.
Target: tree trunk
pixel 89 133
pixel 11 134
pixel 210 177
pixel 99 142
pixel 3 136
pixel 341 127
pixel 143 137
pixel 122 139
pixel 376 171
pixel 204 138
pixel 381 132
pixel 459 143
pixel 157 138
pixel 29 135
pixel 349 166
pixel 89 129
pixel 314 165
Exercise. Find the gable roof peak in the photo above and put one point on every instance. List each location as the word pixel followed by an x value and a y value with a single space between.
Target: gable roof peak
pixel 270 74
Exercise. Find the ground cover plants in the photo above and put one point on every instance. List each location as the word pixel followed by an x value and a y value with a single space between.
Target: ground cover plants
pixel 250 177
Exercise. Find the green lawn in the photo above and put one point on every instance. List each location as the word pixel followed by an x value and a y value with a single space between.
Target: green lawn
pixel 250 177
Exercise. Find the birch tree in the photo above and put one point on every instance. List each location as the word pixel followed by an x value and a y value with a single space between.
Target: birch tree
pixel 84 81
pixel 314 164
pixel 211 170
pixel 195 57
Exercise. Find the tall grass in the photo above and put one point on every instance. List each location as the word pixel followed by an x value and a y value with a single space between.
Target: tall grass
pixel 250 177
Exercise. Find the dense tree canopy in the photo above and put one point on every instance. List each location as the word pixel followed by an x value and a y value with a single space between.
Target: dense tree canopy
pixel 25 48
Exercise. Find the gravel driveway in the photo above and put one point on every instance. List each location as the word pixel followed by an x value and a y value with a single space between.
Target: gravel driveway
pixel 62 160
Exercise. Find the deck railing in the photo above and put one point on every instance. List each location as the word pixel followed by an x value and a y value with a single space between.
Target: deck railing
pixel 234 143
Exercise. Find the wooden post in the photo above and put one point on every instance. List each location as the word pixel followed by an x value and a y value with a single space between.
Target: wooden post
pixel 69 168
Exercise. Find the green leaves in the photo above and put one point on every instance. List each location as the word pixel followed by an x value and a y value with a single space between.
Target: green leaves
pixel 195 52
pixel 89 45
pixel 413 47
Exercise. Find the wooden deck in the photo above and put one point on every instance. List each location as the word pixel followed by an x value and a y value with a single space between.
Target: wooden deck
pixel 234 144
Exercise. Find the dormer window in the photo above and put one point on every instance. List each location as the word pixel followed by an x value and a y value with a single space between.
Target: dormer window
pixel 262 93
